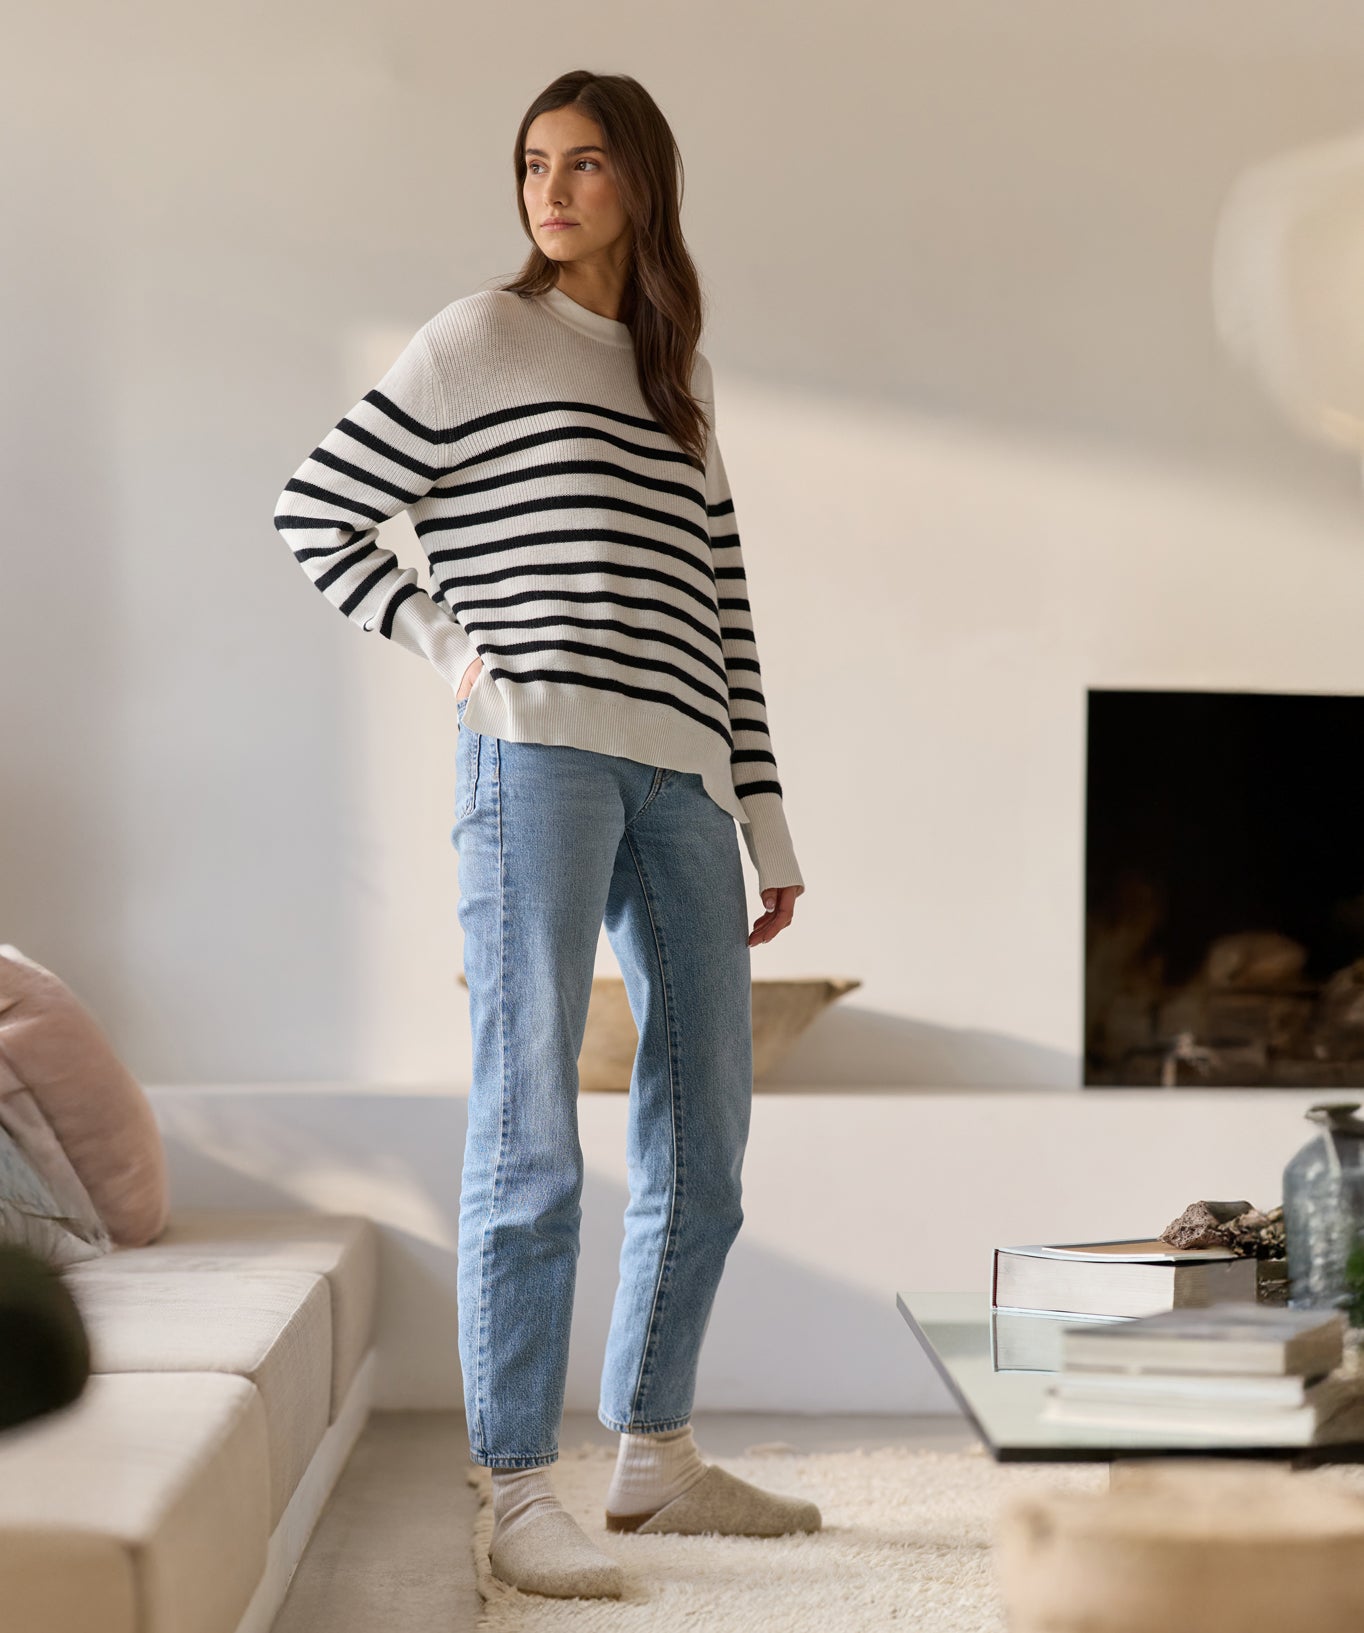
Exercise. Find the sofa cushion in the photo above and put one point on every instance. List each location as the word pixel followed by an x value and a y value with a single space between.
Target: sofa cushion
pixel 140 1508
pixel 53 1046
pixel 344 1248
pixel 271 1326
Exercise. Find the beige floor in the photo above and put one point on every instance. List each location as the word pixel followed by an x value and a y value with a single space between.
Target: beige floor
pixel 391 1550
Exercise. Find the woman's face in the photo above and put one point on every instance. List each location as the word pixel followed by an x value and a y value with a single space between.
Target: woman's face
pixel 569 179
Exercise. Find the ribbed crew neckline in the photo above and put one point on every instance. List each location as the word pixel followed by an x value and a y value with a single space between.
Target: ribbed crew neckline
pixel 586 321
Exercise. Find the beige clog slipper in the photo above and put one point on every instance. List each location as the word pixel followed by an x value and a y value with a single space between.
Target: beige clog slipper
pixel 722 1502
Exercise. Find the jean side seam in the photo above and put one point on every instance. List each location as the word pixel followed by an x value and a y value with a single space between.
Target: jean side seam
pixel 678 1167
pixel 480 1371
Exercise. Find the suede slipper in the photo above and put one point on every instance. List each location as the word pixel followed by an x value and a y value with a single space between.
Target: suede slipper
pixel 547 1556
pixel 722 1502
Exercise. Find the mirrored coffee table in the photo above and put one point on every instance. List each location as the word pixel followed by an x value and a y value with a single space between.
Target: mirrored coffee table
pixel 967 1344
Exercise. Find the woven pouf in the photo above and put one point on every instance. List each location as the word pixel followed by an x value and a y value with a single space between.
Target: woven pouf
pixel 1194 1547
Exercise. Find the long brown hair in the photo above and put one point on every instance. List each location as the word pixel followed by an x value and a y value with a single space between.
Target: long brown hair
pixel 662 301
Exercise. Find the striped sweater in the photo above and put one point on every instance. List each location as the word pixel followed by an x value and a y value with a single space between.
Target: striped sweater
pixel 572 544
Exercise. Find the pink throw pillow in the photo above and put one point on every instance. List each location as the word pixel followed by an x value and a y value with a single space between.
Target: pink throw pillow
pixel 51 1045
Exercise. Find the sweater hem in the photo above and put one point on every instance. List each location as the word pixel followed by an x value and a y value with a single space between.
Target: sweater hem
pixel 544 712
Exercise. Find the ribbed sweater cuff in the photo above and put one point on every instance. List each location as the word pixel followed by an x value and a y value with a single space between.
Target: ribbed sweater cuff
pixel 769 842
pixel 421 627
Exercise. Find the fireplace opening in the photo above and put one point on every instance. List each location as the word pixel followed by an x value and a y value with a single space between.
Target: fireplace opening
pixel 1224 890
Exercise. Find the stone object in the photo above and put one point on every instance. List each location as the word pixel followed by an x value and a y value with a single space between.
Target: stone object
pixel 1235 1225
pixel 1182 1547
pixel 1203 1224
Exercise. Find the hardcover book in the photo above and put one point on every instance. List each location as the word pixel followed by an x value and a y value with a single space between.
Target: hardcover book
pixel 1123 1278
pixel 1224 1338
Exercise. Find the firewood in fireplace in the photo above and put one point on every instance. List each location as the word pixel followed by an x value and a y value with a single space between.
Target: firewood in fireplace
pixel 1254 958
pixel 1338 1031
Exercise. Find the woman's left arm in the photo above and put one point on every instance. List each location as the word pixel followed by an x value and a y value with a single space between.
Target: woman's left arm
pixel 753 761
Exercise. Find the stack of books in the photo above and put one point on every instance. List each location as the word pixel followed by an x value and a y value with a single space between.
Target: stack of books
pixel 1242 1372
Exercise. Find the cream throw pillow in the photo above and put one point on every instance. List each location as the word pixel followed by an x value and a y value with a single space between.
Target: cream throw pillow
pixel 52 1047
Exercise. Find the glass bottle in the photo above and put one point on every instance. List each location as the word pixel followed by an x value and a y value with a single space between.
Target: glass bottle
pixel 1323 1204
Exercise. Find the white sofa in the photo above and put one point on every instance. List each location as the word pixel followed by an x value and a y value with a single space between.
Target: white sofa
pixel 233 1365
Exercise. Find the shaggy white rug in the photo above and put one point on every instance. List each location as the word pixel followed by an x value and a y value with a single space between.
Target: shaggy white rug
pixel 906 1540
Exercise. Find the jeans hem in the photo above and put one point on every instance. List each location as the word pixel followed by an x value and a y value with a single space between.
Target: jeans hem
pixel 514 1460
pixel 660 1427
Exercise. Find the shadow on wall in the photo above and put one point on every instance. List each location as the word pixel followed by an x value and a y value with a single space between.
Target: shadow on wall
pixel 859 1048
pixel 784 1335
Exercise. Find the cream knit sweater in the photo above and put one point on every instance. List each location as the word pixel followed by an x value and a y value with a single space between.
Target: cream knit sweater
pixel 593 565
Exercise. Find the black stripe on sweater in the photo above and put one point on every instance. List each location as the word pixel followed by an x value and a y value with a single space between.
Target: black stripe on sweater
pixel 577 535
pixel 744 789
pixel 632 660
pixel 298 485
pixel 567 501
pixel 385 569
pixel 385 625
pixel 572 467
pixel 376 445
pixel 505 416
pixel 329 524
pixel 524 411
pixel 343 564
pixel 608 684
pixel 566 433
pixel 548 618
pixel 646 603
pixel 553 569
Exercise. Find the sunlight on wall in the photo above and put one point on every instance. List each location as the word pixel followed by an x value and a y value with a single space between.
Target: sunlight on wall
pixel 931 602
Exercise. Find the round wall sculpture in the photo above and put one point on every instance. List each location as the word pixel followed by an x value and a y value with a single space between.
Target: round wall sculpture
pixel 1288 271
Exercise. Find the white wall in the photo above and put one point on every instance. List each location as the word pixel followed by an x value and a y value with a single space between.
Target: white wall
pixel 985 454
pixel 849 1199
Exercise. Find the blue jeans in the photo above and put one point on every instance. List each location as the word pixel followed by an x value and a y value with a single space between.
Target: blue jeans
pixel 553 842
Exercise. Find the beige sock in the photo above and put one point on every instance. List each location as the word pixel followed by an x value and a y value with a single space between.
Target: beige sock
pixel 539 1547
pixel 652 1469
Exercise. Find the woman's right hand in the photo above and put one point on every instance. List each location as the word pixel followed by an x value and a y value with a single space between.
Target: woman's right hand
pixel 467 679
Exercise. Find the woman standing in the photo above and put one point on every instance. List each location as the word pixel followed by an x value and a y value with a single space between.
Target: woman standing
pixel 554 442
